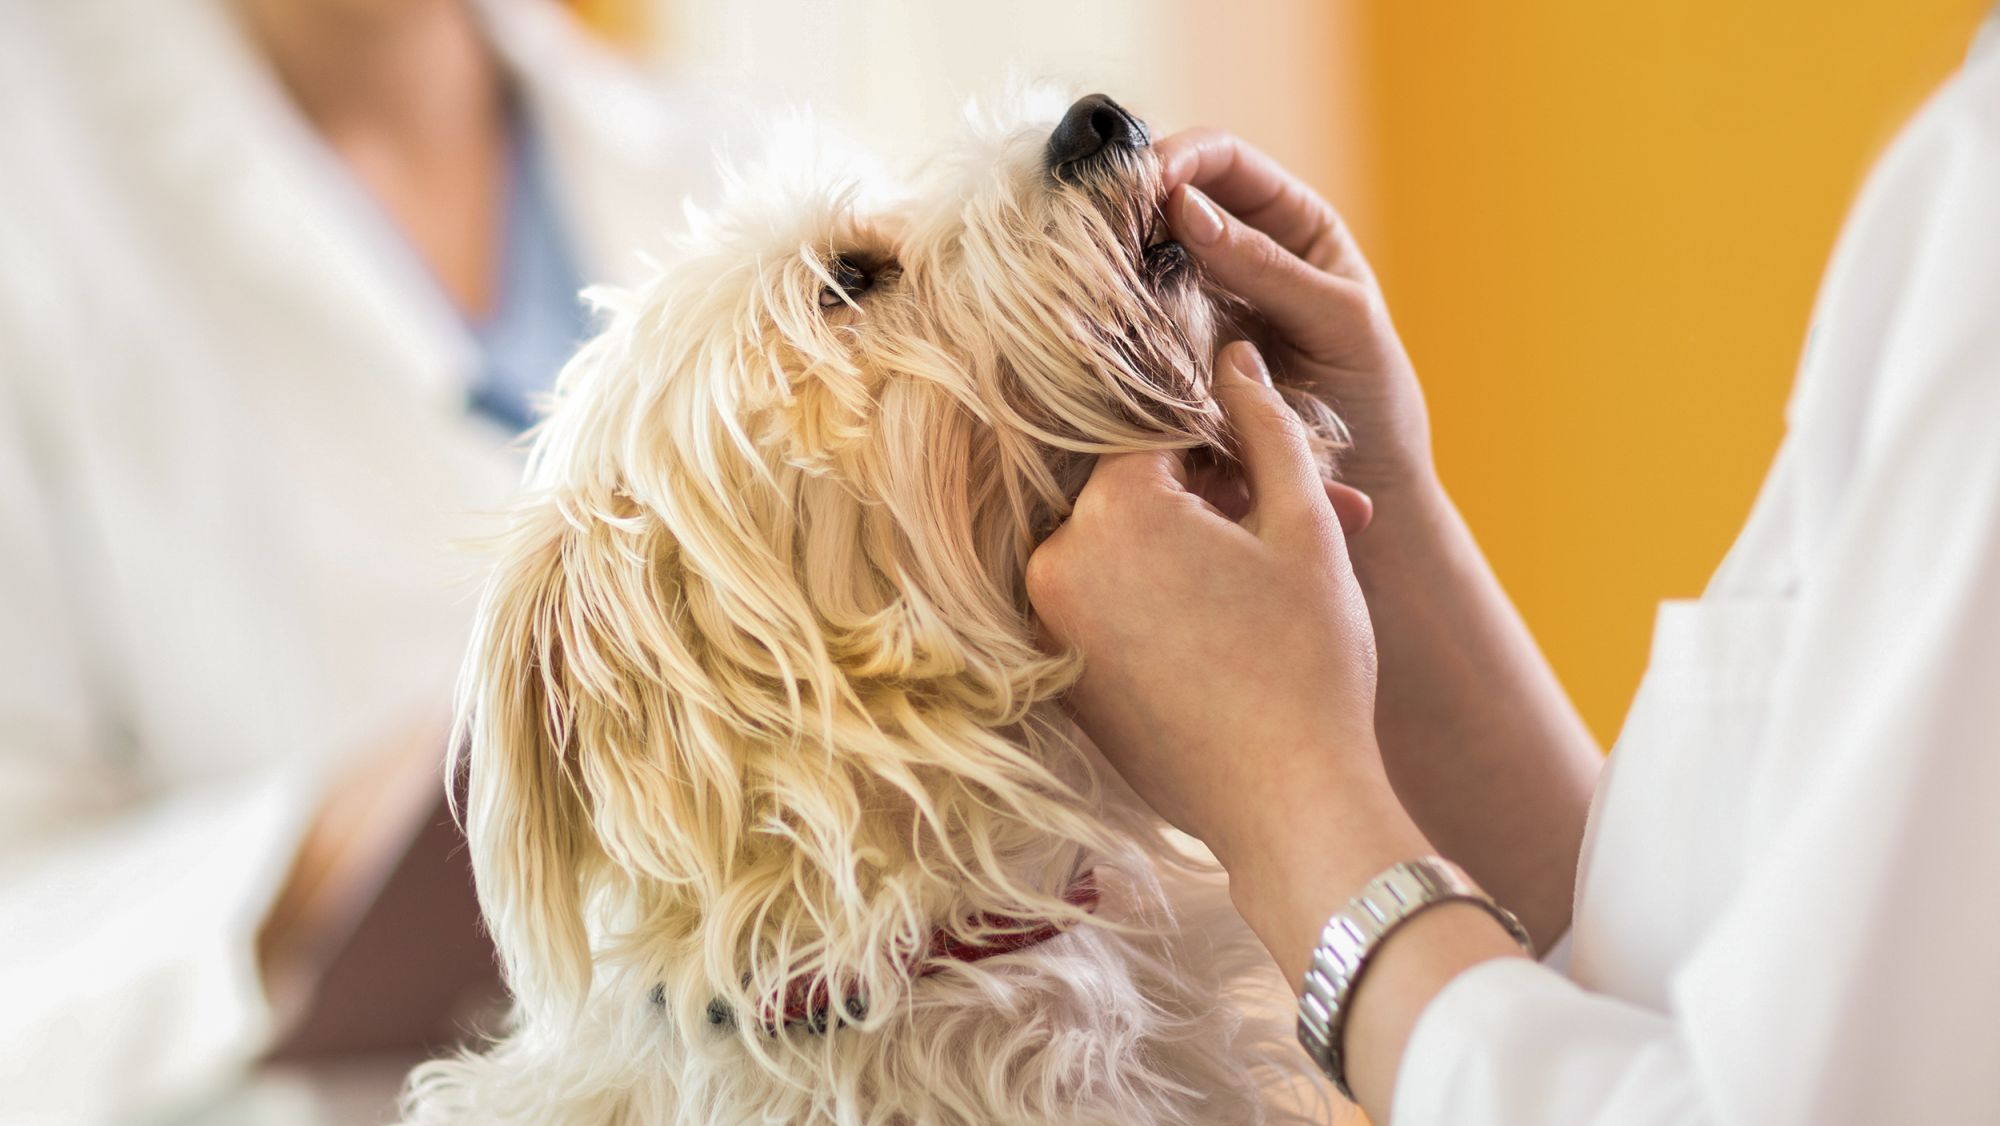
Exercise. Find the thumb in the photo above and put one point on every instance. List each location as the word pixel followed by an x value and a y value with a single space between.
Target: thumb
pixel 1271 442
pixel 1355 508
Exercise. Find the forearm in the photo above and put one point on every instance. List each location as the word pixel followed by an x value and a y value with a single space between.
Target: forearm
pixel 1320 846
pixel 1478 737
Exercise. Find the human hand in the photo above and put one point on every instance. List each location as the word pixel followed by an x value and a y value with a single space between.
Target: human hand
pixel 1482 744
pixel 1229 668
pixel 1265 236
pixel 1229 675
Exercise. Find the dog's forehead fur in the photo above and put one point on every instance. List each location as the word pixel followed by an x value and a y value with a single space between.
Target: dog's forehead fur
pixel 1029 285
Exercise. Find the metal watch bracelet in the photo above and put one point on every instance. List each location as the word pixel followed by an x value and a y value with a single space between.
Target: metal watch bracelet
pixel 1357 930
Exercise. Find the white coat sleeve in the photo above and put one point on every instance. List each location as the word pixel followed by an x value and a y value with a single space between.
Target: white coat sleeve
pixel 1852 977
pixel 128 903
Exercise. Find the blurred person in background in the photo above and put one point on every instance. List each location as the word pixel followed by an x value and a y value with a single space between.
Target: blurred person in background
pixel 279 280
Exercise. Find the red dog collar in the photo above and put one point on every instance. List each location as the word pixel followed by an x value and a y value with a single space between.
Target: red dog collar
pixel 809 1002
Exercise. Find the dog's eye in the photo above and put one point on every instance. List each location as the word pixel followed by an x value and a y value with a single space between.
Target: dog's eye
pixel 850 280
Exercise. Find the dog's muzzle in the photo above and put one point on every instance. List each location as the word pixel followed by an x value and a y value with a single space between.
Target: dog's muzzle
pixel 1094 128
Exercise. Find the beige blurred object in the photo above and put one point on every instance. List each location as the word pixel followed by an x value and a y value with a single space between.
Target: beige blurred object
pixel 626 24
pixel 892 74
pixel 371 814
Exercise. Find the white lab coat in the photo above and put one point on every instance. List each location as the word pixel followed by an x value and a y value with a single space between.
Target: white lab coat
pixel 234 459
pixel 1788 910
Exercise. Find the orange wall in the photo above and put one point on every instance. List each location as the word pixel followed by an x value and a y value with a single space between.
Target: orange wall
pixel 633 24
pixel 1601 226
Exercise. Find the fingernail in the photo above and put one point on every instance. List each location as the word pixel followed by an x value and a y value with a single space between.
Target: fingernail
pixel 1245 358
pixel 1201 218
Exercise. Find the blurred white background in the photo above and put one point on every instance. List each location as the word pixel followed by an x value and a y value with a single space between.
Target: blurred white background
pixel 893 73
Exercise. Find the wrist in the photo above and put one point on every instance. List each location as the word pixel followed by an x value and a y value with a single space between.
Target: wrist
pixel 1309 855
pixel 1416 551
pixel 1404 975
pixel 1415 513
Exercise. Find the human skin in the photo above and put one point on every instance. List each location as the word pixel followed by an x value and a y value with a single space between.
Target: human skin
pixel 410 98
pixel 1478 736
pixel 1313 704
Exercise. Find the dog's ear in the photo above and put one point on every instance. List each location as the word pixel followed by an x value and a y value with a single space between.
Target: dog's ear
pixel 526 816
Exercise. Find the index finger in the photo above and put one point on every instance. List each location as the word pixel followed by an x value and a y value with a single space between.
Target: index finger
pixel 1259 191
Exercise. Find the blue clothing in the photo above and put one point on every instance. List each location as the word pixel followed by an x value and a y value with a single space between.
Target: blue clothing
pixel 537 319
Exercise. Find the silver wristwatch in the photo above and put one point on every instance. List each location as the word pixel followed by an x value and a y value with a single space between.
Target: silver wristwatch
pixel 1356 931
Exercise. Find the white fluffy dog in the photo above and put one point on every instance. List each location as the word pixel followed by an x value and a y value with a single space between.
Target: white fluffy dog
pixel 774 812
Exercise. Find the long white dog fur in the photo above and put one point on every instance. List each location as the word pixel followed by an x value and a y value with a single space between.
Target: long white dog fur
pixel 756 699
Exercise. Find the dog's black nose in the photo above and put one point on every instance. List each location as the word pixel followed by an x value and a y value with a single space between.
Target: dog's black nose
pixel 1095 123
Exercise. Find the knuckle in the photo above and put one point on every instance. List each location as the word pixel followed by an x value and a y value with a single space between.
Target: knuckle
pixel 1352 296
pixel 1328 238
pixel 1310 523
pixel 1291 433
pixel 1286 419
pixel 1093 504
pixel 1263 247
pixel 1046 577
pixel 1264 404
